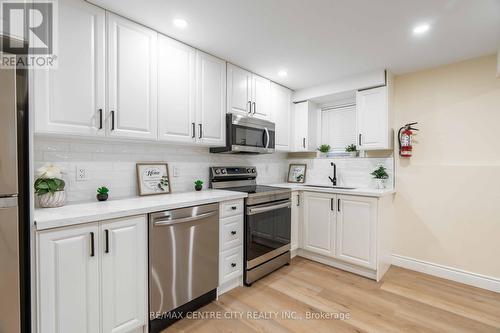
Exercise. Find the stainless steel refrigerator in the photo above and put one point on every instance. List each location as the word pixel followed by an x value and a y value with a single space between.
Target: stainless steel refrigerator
pixel 14 206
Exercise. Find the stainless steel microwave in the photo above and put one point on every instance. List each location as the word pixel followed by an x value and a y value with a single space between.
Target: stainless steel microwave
pixel 247 135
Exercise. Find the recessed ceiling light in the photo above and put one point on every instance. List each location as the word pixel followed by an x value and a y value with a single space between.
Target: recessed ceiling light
pixel 421 29
pixel 180 23
pixel 282 73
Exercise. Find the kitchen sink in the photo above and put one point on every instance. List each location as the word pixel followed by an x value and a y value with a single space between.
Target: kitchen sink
pixel 332 187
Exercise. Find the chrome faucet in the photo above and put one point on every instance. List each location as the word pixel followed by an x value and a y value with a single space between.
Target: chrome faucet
pixel 334 179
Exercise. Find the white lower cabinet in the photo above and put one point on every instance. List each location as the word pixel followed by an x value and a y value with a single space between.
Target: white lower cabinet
pixel 319 223
pixel 93 278
pixel 346 231
pixel 231 231
pixel 356 227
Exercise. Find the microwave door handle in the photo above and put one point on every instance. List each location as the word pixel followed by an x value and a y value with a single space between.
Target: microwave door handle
pixel 267 135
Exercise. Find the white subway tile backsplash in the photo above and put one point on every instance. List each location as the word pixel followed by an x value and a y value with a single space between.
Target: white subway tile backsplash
pixel 114 165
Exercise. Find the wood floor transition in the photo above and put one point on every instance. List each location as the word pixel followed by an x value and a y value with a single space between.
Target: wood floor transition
pixel 404 301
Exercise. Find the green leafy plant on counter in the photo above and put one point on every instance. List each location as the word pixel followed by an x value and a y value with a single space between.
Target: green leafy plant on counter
pixel 324 148
pixel 198 182
pixel 351 148
pixel 49 180
pixel 380 173
pixel 103 190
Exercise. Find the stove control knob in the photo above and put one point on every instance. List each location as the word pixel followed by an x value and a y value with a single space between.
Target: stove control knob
pixel 217 171
pixel 223 171
pixel 253 170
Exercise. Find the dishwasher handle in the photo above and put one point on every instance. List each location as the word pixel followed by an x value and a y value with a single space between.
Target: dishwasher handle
pixel 161 222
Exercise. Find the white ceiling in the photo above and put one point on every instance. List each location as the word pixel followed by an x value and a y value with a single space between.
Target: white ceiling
pixel 318 41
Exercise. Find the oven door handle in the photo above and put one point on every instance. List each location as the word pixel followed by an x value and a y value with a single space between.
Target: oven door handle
pixel 258 210
pixel 161 222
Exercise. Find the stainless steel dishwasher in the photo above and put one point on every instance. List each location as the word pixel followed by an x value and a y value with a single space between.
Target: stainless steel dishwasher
pixel 183 262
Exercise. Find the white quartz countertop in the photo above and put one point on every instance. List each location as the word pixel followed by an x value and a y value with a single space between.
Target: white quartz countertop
pixel 366 192
pixel 72 214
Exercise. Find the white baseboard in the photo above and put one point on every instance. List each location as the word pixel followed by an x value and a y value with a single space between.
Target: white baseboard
pixel 450 273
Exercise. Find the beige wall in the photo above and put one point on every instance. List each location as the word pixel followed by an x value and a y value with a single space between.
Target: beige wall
pixel 448 200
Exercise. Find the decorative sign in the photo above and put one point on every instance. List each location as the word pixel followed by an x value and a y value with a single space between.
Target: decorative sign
pixel 152 178
pixel 297 173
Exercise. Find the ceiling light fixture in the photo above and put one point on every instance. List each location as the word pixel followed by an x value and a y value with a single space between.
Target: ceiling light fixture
pixel 180 23
pixel 282 73
pixel 421 29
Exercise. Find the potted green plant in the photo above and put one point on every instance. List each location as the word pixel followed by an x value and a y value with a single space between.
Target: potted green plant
pixel 352 150
pixel 380 175
pixel 49 187
pixel 198 185
pixel 102 193
pixel 324 149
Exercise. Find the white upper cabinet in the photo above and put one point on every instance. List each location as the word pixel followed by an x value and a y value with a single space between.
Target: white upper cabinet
pixel 132 79
pixel 372 119
pixel 68 280
pixel 210 99
pixel 300 126
pixel 70 99
pixel 356 230
pixel 319 223
pixel 248 94
pixel 124 274
pixel 261 97
pixel 281 103
pixel 176 91
pixel 239 90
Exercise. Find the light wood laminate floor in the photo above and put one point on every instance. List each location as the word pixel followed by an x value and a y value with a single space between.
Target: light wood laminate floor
pixel 404 301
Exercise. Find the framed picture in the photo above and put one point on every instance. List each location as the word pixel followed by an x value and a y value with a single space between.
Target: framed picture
pixel 297 173
pixel 152 178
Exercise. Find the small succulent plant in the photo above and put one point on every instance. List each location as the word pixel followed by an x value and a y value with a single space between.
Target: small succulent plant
pixel 324 148
pixel 103 190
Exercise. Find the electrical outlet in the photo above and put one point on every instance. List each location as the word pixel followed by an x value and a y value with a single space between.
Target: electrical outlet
pixel 81 174
pixel 176 171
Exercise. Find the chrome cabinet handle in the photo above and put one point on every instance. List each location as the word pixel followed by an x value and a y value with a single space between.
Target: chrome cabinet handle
pixel 183 220
pixel 249 107
pixel 201 130
pixel 254 107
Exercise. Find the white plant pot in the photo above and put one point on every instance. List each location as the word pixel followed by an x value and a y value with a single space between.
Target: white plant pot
pixel 353 154
pixel 52 200
pixel 380 183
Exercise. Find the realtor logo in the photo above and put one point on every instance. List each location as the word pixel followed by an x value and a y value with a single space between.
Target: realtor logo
pixel 31 29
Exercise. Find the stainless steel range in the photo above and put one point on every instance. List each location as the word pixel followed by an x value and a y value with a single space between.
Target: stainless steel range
pixel 267 220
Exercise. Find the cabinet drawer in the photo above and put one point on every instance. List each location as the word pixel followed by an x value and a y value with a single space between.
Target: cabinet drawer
pixel 231 208
pixel 231 264
pixel 231 232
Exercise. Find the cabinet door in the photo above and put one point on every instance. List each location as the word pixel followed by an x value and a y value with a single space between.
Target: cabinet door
pixel 176 91
pixel 356 230
pixel 70 98
pixel 300 126
pixel 211 98
pixel 280 108
pixel 238 90
pixel 124 274
pixel 261 97
pixel 319 223
pixel 132 79
pixel 68 280
pixel 372 119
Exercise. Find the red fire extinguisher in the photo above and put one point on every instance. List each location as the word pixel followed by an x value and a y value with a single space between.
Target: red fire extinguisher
pixel 405 137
